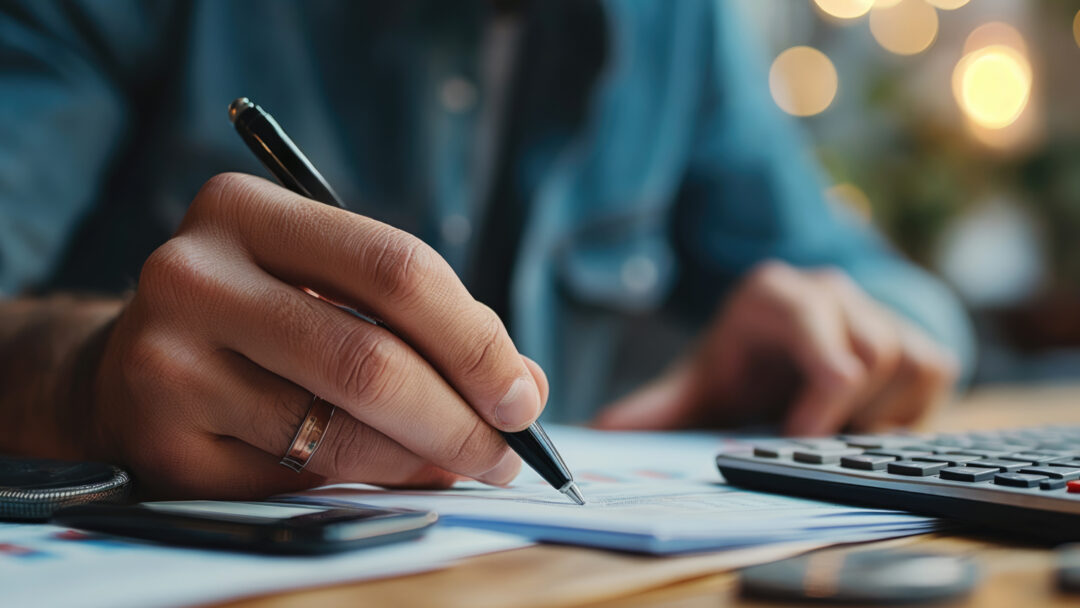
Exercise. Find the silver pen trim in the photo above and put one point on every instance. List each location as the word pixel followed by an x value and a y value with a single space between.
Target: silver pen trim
pixel 572 492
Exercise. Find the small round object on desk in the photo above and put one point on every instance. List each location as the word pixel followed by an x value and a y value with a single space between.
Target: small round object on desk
pixel 1068 567
pixel 862 577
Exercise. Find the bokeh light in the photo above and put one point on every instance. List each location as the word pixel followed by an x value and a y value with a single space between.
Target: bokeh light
pixel 905 28
pixel 1076 28
pixel 993 85
pixel 1016 139
pixel 844 9
pixel 803 81
pixel 948 5
pixel 994 32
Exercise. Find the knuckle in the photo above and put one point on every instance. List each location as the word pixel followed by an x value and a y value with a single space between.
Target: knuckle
pixel 834 277
pixel 882 355
pixel 480 359
pixel 150 362
pixel 349 451
pixel 926 362
pixel 472 451
pixel 368 363
pixel 842 379
pixel 770 274
pixel 175 270
pixel 222 202
pixel 781 289
pixel 295 315
pixel 218 191
pixel 401 264
pixel 938 371
pixel 950 371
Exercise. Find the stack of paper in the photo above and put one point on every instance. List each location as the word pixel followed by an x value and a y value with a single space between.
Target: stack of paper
pixel 647 492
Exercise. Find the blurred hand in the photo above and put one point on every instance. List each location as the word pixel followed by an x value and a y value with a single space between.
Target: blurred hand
pixel 210 369
pixel 807 346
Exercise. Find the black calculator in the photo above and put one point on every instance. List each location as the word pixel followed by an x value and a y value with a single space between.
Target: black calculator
pixel 1022 480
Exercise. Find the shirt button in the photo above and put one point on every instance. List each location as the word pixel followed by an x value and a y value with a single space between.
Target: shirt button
pixel 639 274
pixel 456 229
pixel 457 94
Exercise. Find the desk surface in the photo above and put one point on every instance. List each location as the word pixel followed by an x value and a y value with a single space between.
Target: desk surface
pixel 1012 574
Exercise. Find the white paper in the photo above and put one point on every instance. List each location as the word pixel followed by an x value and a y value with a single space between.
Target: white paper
pixel 649 492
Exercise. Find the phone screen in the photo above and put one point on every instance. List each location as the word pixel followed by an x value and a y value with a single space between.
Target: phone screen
pixel 262 511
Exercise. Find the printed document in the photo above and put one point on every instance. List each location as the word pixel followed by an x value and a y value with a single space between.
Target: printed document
pixel 646 492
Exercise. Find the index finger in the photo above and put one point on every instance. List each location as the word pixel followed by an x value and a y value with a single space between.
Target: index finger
pixel 392 275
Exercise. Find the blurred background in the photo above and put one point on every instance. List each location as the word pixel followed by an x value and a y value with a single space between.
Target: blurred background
pixel 954 126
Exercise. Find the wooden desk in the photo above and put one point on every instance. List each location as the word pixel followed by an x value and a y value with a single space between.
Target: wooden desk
pixel 1012 574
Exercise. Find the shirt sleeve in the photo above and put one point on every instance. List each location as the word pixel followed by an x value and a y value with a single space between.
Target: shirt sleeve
pixel 63 116
pixel 752 192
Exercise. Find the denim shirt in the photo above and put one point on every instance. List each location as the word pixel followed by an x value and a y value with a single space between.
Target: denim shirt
pixel 648 168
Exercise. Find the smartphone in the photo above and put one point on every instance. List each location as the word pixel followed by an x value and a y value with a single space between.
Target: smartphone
pixel 261 527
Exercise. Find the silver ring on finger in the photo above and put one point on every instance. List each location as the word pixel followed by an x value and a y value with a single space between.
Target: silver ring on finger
pixel 309 435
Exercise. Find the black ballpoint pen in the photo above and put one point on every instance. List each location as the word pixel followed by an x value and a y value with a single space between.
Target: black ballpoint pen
pixel 283 158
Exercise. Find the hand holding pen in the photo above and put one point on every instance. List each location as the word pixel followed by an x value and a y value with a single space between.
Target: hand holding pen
pixel 268 141
pixel 208 377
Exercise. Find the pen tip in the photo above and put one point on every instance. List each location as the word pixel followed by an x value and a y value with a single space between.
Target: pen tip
pixel 572 491
pixel 238 105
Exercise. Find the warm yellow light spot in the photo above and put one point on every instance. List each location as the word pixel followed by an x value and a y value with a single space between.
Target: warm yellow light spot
pixel 948 5
pixel 803 81
pixel 905 28
pixel 886 3
pixel 850 196
pixel 1076 28
pixel 992 85
pixel 994 32
pixel 844 9
pixel 1019 137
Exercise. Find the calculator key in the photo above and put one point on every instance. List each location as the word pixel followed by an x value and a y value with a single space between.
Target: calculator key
pixel 1052 484
pixel 897 454
pixel 822 444
pixel 1075 463
pixel 925 448
pixel 1018 480
pixel 952 441
pixel 1059 446
pixel 953 460
pixel 1073 487
pixel 866 462
pixel 993 463
pixel 875 442
pixel 968 473
pixel 1003 447
pixel 913 468
pixel 980 453
pixel 1064 454
pixel 1034 457
pixel 773 451
pixel 1053 472
pixel 823 456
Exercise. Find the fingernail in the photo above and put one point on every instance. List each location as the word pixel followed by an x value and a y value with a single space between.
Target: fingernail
pixel 504 472
pixel 519 405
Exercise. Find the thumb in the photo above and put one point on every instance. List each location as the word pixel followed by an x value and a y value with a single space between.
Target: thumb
pixel 665 403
